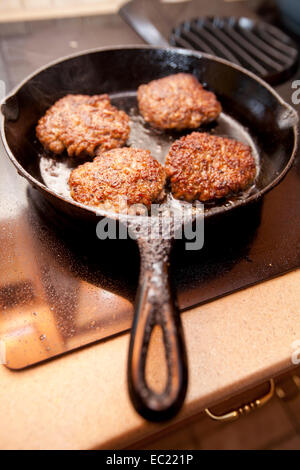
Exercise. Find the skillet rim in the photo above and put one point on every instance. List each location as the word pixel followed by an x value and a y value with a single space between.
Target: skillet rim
pixel 292 114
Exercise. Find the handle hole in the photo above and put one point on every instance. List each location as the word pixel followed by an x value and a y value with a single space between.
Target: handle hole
pixel 156 371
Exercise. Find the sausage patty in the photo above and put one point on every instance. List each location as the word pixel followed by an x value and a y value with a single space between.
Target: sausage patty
pixel 117 177
pixel 81 124
pixel 177 102
pixel 205 167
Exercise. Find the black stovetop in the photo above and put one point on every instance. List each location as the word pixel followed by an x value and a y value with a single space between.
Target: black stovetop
pixel 248 247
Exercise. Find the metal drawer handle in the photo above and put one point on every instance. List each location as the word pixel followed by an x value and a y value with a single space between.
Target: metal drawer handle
pixel 245 409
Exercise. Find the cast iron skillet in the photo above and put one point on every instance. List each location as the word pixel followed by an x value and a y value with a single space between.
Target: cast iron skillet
pixel 252 112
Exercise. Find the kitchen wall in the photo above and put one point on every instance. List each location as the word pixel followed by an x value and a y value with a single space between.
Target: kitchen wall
pixel 14 10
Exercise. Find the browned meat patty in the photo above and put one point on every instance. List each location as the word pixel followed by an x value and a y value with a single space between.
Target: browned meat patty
pixel 118 175
pixel 177 102
pixel 81 124
pixel 205 167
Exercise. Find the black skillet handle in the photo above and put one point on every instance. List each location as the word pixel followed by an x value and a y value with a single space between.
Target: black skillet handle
pixel 155 306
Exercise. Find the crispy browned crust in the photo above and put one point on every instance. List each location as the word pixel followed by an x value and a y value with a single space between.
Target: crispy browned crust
pixel 117 176
pixel 81 124
pixel 205 167
pixel 177 102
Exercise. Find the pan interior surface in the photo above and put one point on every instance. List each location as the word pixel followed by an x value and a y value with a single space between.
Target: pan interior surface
pixel 55 170
pixel 252 113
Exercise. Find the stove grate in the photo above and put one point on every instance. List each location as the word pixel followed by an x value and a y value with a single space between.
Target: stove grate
pixel 256 45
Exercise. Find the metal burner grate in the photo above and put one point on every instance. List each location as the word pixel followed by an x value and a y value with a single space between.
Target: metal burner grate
pixel 257 46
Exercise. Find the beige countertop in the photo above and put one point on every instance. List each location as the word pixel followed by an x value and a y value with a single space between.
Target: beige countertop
pixel 80 400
